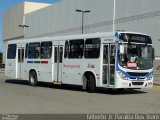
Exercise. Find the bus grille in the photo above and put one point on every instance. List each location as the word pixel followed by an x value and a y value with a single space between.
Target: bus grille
pixel 137 74
pixel 137 83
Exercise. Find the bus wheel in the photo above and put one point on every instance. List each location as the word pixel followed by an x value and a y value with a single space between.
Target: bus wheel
pixel 91 85
pixel 33 78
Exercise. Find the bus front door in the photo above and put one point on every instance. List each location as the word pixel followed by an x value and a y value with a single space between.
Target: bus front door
pixel 58 58
pixel 109 52
pixel 20 61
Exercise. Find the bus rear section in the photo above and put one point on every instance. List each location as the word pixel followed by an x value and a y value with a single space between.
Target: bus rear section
pixel 15 60
pixel 10 69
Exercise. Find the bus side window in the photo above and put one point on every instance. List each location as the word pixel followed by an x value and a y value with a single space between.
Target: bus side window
pixel 20 55
pixel 34 50
pixel 55 54
pixel 76 48
pixel 46 50
pixel 112 54
pixel 92 48
pixel 26 51
pixel 105 54
pixel 61 55
pixel 11 54
pixel 66 49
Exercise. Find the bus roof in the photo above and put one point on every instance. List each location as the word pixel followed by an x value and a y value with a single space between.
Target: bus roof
pixel 70 37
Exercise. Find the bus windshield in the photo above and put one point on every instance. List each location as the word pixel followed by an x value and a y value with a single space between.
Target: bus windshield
pixel 136 56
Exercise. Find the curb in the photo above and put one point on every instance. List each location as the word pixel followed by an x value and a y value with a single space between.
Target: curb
pixel 2 71
pixel 156 84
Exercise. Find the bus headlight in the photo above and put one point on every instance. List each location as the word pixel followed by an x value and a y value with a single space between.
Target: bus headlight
pixel 122 76
pixel 150 77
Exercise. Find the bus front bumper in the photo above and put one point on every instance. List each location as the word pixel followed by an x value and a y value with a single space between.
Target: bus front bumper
pixel 120 83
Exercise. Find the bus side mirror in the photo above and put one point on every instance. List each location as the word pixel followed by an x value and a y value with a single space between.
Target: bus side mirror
pixel 153 54
pixel 121 49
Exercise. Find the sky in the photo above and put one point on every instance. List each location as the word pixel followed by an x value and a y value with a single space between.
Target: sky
pixel 6 4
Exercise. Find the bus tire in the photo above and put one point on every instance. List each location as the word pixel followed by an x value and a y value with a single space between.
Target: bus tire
pixel 91 85
pixel 33 81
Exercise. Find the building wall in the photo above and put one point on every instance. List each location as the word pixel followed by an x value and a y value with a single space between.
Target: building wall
pixel 61 18
pixel 11 19
pixel 131 15
pixel 15 16
pixel 32 6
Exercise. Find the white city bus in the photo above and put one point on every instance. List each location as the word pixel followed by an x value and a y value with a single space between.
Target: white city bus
pixel 109 60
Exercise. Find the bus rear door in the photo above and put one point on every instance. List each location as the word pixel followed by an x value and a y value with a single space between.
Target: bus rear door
pixel 20 61
pixel 58 59
pixel 109 52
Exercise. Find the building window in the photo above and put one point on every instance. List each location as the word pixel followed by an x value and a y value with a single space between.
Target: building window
pixel 26 51
pixel 76 48
pixel 46 50
pixel 11 54
pixel 92 48
pixel 34 50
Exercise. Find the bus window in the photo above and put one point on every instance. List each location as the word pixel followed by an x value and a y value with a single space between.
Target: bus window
pixel 55 54
pixel 34 50
pixel 26 51
pixel 20 55
pixel 92 48
pixel 11 54
pixel 46 50
pixel 112 54
pixel 76 48
pixel 66 49
pixel 61 55
pixel 58 54
pixel 105 54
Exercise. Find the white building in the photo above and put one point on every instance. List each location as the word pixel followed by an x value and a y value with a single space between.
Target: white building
pixel 61 18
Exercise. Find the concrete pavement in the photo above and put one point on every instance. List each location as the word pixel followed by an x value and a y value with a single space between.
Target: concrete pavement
pixel 156 77
pixel 16 96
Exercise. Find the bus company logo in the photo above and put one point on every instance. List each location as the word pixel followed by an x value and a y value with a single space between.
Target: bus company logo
pixel 71 66
pixel 91 66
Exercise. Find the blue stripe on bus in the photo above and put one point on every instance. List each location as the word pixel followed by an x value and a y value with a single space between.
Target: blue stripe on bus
pixel 29 61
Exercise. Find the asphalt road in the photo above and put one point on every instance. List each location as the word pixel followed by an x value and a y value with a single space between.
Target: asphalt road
pixel 17 96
